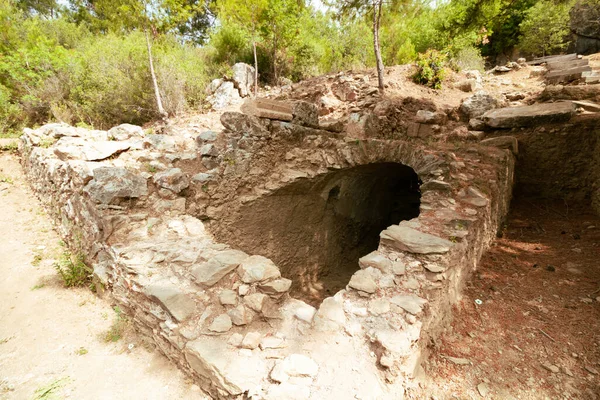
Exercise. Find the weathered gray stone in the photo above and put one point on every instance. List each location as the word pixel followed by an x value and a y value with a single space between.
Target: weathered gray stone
pixel 255 301
pixel 243 78
pixel 405 238
pixel 294 365
pixel 209 357
pixel 305 114
pixel 206 136
pixel 220 324
pixel 243 124
pixel 429 117
pixel 330 316
pixel 514 117
pixel 178 304
pixel 209 150
pixel 410 303
pixel 228 297
pixel 96 151
pixel 376 260
pixel 172 179
pixel 276 286
pixel 503 142
pixel 363 281
pixel 125 131
pixel 202 177
pixel 478 104
pixel 114 183
pixel 225 95
pixel 241 315
pixel 210 272
pixel 258 268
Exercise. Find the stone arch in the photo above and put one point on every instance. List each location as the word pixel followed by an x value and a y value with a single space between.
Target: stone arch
pixel 327 210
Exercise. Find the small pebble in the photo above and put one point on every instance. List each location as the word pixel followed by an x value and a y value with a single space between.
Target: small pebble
pixel 551 268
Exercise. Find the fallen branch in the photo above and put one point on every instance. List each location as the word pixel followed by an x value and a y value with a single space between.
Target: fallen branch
pixel 548 336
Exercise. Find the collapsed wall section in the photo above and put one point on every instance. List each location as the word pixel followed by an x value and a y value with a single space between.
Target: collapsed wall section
pixel 141 209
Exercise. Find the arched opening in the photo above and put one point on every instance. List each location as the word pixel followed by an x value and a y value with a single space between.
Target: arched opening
pixel 317 229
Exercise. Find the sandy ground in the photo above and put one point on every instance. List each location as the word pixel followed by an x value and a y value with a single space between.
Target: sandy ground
pixel 51 338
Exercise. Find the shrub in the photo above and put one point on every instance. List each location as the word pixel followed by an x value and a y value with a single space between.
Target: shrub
pixel 430 69
pixel 467 58
pixel 545 29
pixel 73 270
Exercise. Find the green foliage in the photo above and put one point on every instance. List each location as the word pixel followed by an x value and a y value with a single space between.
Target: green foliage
pixel 430 69
pixel 467 58
pixel 73 270
pixel 118 327
pixel 545 28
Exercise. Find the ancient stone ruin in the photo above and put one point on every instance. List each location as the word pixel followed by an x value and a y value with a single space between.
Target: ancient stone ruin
pixel 286 257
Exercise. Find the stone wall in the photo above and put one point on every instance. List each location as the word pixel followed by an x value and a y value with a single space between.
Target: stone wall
pixel 561 161
pixel 145 211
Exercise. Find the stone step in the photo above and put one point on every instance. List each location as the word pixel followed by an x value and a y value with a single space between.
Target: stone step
pixel 264 108
pixel 542 60
pixel 515 117
pixel 560 65
pixel 566 75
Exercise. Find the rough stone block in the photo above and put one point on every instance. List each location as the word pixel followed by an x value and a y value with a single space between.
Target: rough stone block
pixel 408 239
pixel 210 272
pixel 178 304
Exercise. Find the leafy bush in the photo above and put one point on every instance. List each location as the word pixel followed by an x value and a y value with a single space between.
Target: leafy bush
pixel 73 270
pixel 545 28
pixel 430 69
pixel 467 58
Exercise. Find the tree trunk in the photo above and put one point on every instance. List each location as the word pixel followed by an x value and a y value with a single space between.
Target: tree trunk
pixel 255 69
pixel 376 20
pixel 159 105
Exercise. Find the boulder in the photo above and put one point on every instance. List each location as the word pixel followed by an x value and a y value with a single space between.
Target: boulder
pixel 111 184
pixel 478 104
pixel 243 78
pixel 225 95
pixel 125 131
pixel 405 238
pixel 537 114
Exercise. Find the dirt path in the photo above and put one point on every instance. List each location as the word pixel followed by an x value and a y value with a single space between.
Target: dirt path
pixel 529 323
pixel 52 339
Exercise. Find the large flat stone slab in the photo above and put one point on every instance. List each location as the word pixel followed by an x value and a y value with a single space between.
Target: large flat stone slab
pixel 408 239
pixel 515 117
pixel 178 304
pixel 230 373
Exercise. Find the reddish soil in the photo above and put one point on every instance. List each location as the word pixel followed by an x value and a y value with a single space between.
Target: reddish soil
pixel 534 301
